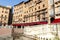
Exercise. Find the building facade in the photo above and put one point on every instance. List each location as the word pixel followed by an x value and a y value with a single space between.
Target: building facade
pixel 31 11
pixel 39 17
pixel 36 11
pixel 4 15
pixel 57 8
pixel 54 10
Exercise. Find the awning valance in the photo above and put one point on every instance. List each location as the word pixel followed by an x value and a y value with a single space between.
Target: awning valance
pixel 30 24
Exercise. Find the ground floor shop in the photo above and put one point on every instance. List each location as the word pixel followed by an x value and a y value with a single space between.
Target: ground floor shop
pixel 40 30
pixel 43 32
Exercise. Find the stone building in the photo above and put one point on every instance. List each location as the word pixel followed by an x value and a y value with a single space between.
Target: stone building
pixel 5 15
pixel 38 17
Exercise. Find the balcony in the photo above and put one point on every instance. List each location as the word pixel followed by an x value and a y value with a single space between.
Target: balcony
pixel 57 6
pixel 44 9
pixel 57 14
pixel 58 1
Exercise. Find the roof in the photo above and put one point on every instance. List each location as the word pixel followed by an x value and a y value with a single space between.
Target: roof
pixel 5 7
pixel 30 24
pixel 27 1
pixel 22 2
pixel 19 3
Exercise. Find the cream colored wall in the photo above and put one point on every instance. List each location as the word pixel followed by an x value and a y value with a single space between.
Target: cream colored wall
pixel 26 8
pixel 4 13
pixel 17 14
pixel 36 6
pixel 57 10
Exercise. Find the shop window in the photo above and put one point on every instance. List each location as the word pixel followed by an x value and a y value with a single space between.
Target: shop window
pixel 19 26
pixel 22 26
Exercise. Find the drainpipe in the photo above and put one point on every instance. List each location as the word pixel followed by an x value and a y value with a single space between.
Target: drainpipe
pixel 56 24
pixel 57 32
pixel 13 33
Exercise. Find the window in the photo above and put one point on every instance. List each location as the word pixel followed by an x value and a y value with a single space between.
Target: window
pixel 27 11
pixel 56 3
pixel 2 11
pixel 32 19
pixel 5 17
pixel 43 5
pixel 39 7
pixel 21 14
pixel 19 26
pixel 6 12
pixel 32 9
pixel 26 19
pixel 35 8
pixel 35 18
pixel 22 26
pixel 1 16
pixel 44 18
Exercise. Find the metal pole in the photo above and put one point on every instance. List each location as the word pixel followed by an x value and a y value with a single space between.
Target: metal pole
pixel 13 33
pixel 57 32
pixel 53 7
pixel 54 16
pixel 57 29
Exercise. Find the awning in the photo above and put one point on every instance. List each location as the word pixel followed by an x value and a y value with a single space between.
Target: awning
pixel 30 24
pixel 56 21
